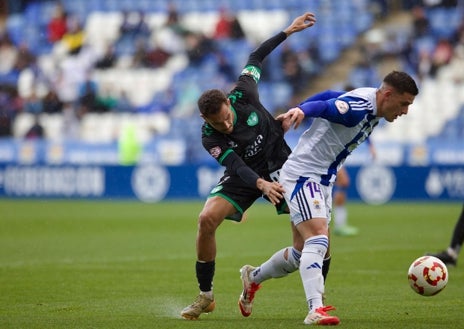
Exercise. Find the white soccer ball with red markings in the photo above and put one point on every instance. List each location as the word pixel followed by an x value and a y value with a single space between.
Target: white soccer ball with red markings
pixel 428 275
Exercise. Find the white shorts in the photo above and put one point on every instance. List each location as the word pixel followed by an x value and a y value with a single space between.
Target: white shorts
pixel 306 198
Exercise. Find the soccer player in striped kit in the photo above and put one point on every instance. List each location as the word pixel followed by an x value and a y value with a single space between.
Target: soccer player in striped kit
pixel 340 124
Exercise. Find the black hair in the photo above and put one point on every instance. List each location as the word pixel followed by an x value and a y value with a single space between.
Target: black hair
pixel 210 101
pixel 402 82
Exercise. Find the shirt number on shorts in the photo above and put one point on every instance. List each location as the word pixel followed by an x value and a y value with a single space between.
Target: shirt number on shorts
pixel 314 188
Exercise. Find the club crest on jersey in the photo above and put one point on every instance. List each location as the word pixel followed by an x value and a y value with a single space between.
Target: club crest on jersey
pixel 252 119
pixel 342 106
pixel 215 151
pixel 317 204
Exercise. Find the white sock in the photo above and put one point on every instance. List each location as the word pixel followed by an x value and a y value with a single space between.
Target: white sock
pixel 452 252
pixel 311 269
pixel 340 216
pixel 283 262
pixel 208 294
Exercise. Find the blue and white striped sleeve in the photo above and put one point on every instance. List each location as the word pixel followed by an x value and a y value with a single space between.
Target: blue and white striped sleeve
pixel 348 111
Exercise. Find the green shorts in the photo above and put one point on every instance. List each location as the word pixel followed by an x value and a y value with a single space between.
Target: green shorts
pixel 241 196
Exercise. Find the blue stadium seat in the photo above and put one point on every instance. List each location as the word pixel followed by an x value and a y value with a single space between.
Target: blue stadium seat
pixel 265 95
pixel 329 48
pixel 78 8
pixel 443 21
pixel 15 28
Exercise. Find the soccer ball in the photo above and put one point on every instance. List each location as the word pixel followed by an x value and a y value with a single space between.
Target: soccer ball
pixel 428 275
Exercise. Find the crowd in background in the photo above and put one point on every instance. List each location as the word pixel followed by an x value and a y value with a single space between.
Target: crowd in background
pixel 71 90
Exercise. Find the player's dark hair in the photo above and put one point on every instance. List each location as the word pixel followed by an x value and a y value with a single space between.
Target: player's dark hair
pixel 402 82
pixel 210 101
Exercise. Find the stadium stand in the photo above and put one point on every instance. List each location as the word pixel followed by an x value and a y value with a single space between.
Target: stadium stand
pixel 161 100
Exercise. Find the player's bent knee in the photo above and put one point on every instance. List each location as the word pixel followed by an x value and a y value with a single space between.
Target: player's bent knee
pixel 207 222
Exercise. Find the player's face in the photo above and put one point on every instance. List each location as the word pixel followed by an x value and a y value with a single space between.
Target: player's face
pixel 223 121
pixel 395 105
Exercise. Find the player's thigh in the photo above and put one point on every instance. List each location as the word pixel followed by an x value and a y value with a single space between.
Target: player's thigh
pixel 343 179
pixel 216 208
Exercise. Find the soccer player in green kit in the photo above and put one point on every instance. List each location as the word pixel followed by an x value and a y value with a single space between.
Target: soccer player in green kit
pixel 249 142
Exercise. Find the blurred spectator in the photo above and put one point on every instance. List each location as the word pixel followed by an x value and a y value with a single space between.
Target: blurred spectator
pixel 441 55
pixel 134 26
pixel 58 25
pixel 173 20
pixel 157 56
pixel 198 46
pixel 33 103
pixel 236 31
pixel 10 106
pixel 8 54
pixel 133 31
pixel 149 56
pixel 408 56
pixel 457 63
pixel 129 147
pixel 25 57
pixel 227 26
pixel 74 38
pixel 292 71
pixel 424 65
pixel 170 36
pixel 222 30
pixel 36 131
pixel 69 77
pixel 420 22
pixel 310 60
pixel 139 57
pixel 88 96
pixel 458 35
pixel 51 103
pixel 5 123
pixel 123 103
pixel 392 46
pixel 106 100
pixel 379 8
pixel 108 60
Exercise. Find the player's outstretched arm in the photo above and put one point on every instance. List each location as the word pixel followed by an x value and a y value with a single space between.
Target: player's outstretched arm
pixel 300 23
pixel 292 117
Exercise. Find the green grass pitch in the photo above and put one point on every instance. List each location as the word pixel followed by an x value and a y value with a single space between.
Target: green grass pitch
pixel 81 264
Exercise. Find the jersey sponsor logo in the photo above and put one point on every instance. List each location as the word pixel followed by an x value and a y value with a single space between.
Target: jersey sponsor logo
pixel 254 148
pixel 342 106
pixel 253 71
pixel 252 119
pixel 215 152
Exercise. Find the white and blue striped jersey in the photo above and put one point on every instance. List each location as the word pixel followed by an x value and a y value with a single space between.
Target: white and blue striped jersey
pixel 340 125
